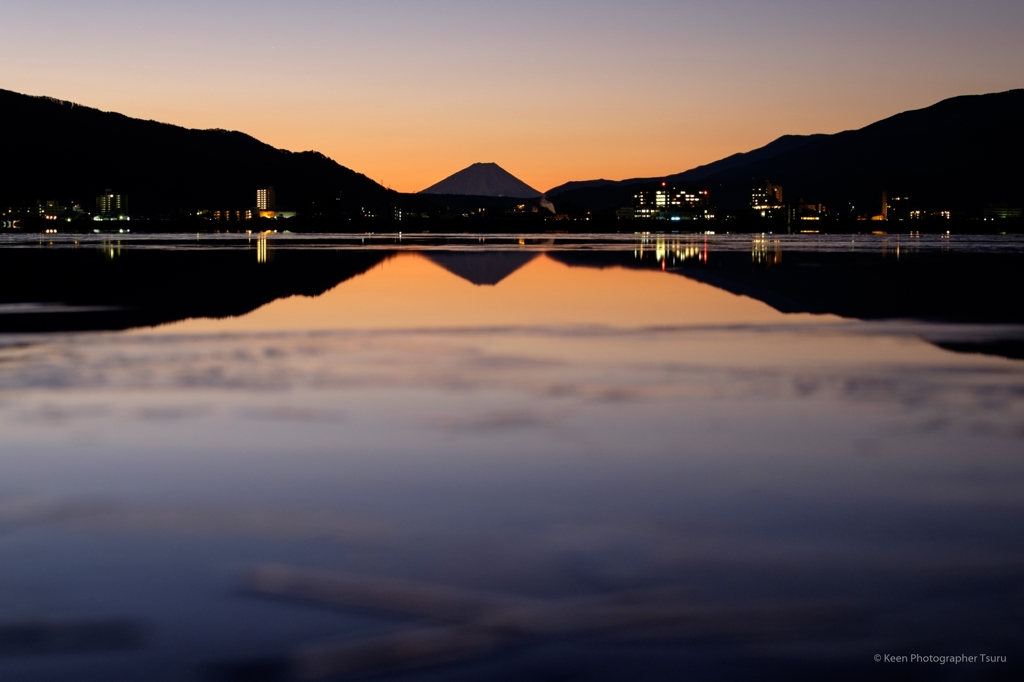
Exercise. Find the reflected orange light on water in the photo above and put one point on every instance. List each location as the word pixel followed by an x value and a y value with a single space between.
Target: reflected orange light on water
pixel 408 291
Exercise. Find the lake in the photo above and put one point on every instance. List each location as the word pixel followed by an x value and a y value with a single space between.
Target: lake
pixel 429 457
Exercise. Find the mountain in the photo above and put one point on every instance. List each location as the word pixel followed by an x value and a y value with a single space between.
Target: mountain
pixel 484 180
pixel 772 149
pixel 67 152
pixel 782 145
pixel 959 154
pixel 588 184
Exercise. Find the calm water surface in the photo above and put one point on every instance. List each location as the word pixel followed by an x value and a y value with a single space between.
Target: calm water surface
pixel 606 459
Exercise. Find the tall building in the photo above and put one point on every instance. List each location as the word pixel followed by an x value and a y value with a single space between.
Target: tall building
pixel 766 196
pixel 110 205
pixel 670 203
pixel 266 199
pixel 895 208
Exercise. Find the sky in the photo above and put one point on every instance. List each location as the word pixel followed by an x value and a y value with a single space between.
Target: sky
pixel 411 91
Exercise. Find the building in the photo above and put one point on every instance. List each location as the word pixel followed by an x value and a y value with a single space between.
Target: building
pixel 895 208
pixel 1002 212
pixel 110 205
pixel 810 211
pixel 928 215
pixel 670 203
pixel 229 214
pixel 50 210
pixel 266 199
pixel 275 215
pixel 766 196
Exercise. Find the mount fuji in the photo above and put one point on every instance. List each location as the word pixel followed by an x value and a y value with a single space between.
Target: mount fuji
pixel 484 180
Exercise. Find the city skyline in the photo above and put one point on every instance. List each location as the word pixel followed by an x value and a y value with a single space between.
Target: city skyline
pixel 409 93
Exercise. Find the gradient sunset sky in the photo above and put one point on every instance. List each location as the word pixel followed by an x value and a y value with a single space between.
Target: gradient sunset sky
pixel 411 91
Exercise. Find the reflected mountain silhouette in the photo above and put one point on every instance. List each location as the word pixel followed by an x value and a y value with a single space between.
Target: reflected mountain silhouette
pixel 482 269
pixel 931 286
pixel 51 289
pixel 92 289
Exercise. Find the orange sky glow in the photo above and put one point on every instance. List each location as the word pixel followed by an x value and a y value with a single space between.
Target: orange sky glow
pixel 409 92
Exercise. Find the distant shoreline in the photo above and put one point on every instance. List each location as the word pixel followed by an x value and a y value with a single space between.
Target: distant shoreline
pixel 493 226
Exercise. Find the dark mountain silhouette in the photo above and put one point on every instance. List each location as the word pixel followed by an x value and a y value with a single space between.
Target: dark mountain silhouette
pixel 482 269
pixel 776 148
pixel 65 289
pixel 485 180
pixel 590 184
pixel 64 151
pixel 782 145
pixel 961 154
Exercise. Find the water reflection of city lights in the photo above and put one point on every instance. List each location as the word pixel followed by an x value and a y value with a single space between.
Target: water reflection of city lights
pixel 111 249
pixel 668 252
pixel 766 250
pixel 261 249
pixel 888 247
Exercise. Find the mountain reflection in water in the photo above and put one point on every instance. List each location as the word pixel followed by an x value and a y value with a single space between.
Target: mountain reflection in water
pixel 481 268
pixel 426 460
